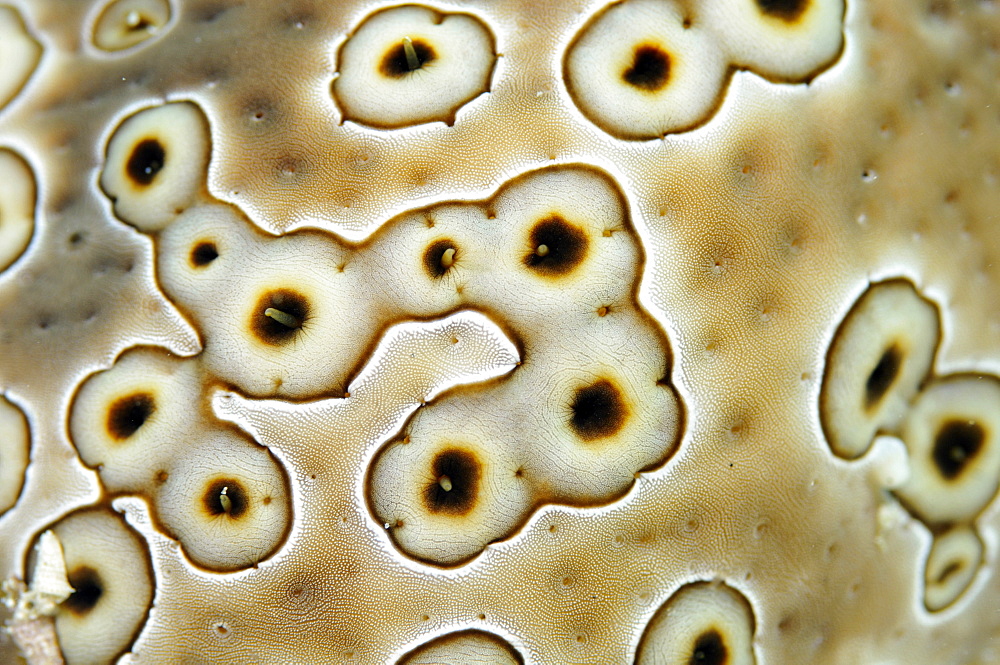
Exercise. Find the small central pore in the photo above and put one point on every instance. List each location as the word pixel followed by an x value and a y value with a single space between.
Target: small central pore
pixel 882 376
pixel 147 159
pixel 957 443
pixel 406 57
pixel 278 316
pixel 226 496
pixel 455 487
pixel 709 649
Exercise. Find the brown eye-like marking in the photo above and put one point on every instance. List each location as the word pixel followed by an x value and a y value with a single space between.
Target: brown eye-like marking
pixel 956 444
pixel 204 253
pixel 455 482
pixel 557 247
pixel 951 565
pixel 439 257
pixel 882 376
pixel 123 24
pixel 786 10
pixel 226 496
pixel 278 316
pixel 952 569
pixel 396 63
pixel 146 160
pixel 880 357
pixel 87 590
pixel 599 410
pixel 650 68
pixel 703 623
pixel 128 414
pixel 709 649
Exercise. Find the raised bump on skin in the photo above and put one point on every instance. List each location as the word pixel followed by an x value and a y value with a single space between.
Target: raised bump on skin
pixel 703 623
pixel 19 53
pixel 882 351
pixel 952 433
pixel 412 64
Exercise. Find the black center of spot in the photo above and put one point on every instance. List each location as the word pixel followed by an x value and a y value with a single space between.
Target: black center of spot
pixel 87 590
pixel 395 65
pixel 274 332
pixel 204 253
pixel 951 569
pixel 143 24
pixel 128 414
pixel 146 160
pixel 883 376
pixel 598 411
pixel 565 247
pixel 956 444
pixel 238 499
pixel 463 471
pixel 786 10
pixel 650 68
pixel 433 256
pixel 709 649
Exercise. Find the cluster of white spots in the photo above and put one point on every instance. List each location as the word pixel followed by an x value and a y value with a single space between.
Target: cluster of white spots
pixel 641 69
pixel 108 567
pixel 412 64
pixel 277 304
pixel 19 53
pixel 702 623
pixel 123 24
pixel 553 254
pixel 142 425
pixel 15 442
pixel 879 380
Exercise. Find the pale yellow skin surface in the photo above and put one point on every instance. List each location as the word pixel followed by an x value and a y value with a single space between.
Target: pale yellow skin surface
pixel 761 233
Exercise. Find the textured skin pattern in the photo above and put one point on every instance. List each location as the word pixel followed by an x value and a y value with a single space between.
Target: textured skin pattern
pixel 759 230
